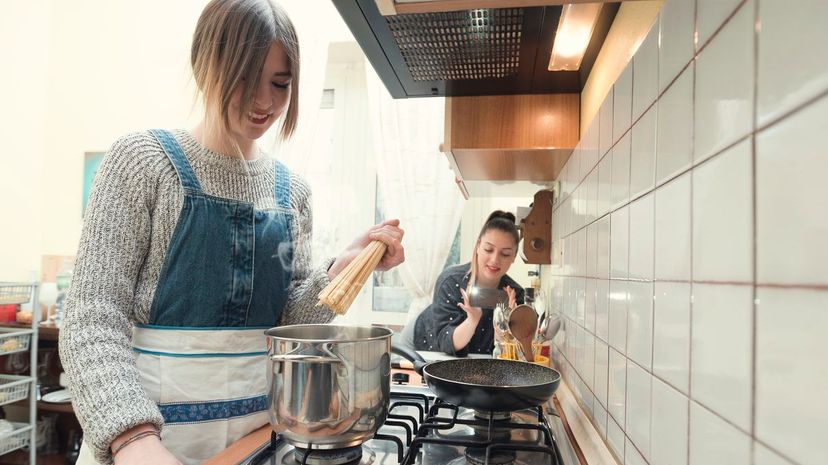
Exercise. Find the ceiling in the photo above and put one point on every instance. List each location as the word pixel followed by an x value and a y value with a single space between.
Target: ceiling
pixel 478 51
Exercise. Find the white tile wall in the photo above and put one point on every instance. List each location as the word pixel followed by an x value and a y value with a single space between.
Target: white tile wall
pixel 631 455
pixel 792 151
pixel 671 334
pixel 677 20
pixel 674 150
pixel 604 196
pixel 724 106
pixel 764 456
pixel 722 217
pixel 668 441
pixel 620 186
pixel 622 103
pixel 615 438
pixel 640 323
pixel 602 309
pixel 589 306
pixel 710 16
pixel 792 377
pixel 642 154
pixel 603 247
pixel 641 238
pixel 588 363
pixel 617 386
pixel 712 440
pixel 781 88
pixel 696 303
pixel 645 74
pixel 620 243
pixel 601 371
pixel 617 320
pixel 721 343
pixel 639 398
pixel 605 138
pixel 599 418
pixel 672 229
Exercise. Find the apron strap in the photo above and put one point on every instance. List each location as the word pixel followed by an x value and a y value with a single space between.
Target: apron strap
pixel 282 190
pixel 178 158
pixel 282 185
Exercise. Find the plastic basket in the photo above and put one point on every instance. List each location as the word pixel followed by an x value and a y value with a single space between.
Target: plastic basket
pixel 16 439
pixel 11 293
pixel 14 388
pixel 14 340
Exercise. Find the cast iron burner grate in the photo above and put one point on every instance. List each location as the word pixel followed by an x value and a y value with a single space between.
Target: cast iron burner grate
pixel 482 450
pixel 328 457
pixel 361 454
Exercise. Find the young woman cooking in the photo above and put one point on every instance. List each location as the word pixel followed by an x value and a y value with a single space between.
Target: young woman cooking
pixel 194 241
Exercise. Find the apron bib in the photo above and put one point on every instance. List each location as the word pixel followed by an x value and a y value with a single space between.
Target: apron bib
pixel 202 354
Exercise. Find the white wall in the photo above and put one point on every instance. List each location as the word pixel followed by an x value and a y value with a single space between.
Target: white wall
pixel 690 261
pixel 116 67
pixel 24 87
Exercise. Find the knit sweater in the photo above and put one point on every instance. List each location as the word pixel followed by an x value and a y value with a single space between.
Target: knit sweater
pixel 130 218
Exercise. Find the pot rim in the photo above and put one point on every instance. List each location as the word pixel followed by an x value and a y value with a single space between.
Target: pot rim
pixel 273 333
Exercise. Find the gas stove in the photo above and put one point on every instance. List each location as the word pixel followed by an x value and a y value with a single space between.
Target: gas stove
pixel 421 429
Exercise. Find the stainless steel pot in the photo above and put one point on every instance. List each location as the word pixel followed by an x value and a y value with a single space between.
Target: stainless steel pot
pixel 328 386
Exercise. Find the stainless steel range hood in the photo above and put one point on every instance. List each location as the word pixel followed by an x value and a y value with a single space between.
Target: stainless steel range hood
pixel 479 51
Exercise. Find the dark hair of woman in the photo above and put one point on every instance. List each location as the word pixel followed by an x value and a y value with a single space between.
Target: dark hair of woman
pixel 502 221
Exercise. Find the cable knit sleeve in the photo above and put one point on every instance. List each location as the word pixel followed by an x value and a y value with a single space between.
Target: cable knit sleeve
pixel 307 281
pixel 95 339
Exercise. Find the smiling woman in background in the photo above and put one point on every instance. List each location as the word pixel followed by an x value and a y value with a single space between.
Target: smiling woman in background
pixel 450 324
pixel 194 242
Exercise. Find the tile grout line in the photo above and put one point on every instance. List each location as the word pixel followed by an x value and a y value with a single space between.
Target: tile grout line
pixel 626 353
pixel 690 304
pixel 653 245
pixel 754 208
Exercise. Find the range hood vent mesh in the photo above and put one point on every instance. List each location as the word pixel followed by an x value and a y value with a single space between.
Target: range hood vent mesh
pixel 473 44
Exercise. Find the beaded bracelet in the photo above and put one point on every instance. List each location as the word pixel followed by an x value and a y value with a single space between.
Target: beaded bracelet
pixel 137 436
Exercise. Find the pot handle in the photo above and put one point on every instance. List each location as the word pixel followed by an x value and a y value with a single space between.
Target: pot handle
pixel 290 358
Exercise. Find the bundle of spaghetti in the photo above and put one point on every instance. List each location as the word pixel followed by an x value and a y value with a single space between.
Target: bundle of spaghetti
pixel 340 293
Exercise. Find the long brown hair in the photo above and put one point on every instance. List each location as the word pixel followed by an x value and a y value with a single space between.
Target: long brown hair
pixel 502 221
pixel 231 41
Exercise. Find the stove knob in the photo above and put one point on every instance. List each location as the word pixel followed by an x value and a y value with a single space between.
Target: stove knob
pixel 400 378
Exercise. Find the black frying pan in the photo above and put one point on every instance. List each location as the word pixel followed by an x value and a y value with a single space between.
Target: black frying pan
pixel 486 384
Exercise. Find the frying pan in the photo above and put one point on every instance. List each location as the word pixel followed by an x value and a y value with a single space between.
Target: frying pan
pixel 492 385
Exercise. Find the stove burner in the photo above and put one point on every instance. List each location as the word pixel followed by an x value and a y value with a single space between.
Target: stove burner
pixel 328 456
pixel 496 416
pixel 477 456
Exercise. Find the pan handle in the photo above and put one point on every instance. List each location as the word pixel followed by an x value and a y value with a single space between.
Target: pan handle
pixel 409 354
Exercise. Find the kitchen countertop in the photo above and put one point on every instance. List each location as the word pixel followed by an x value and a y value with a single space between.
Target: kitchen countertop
pixel 241 448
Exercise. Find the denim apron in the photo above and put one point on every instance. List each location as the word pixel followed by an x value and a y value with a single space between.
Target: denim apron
pixel 202 354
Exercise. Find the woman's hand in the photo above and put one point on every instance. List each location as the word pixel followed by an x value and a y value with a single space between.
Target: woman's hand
pixel 512 297
pixel 144 451
pixel 389 233
pixel 474 313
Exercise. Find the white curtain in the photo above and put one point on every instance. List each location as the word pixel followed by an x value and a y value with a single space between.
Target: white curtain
pixel 416 183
